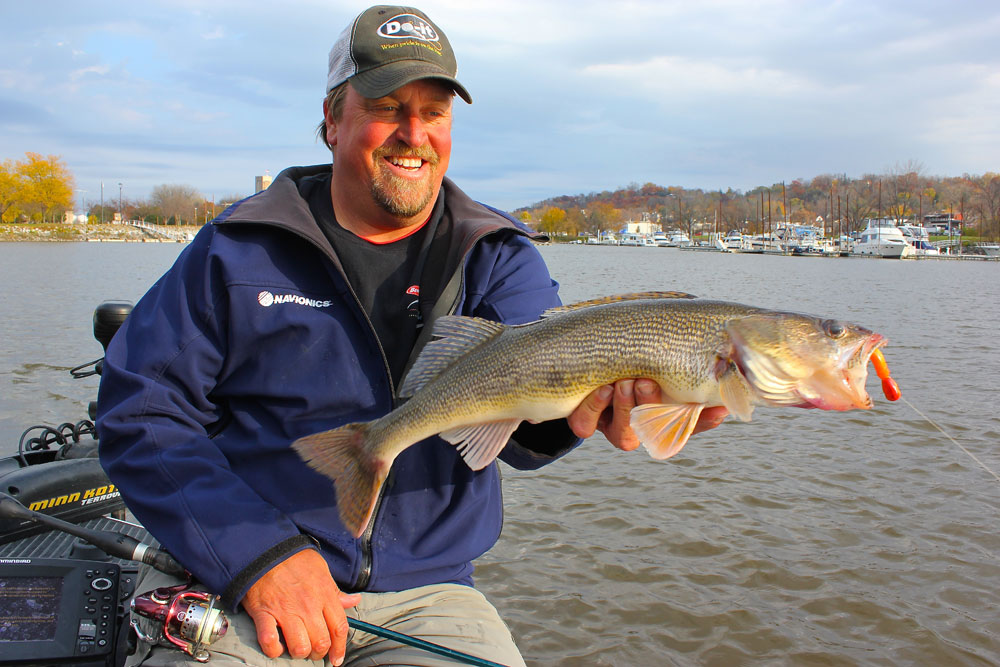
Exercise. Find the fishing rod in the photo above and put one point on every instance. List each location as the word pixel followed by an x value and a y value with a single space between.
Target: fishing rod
pixel 409 640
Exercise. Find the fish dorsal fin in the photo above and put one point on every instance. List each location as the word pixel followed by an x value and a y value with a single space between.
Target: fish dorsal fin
pixel 664 428
pixel 616 298
pixel 480 444
pixel 456 335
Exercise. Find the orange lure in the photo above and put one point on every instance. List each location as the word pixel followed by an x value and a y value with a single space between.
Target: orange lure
pixel 889 386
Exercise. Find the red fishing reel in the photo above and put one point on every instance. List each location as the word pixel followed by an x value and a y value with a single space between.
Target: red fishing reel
pixel 180 618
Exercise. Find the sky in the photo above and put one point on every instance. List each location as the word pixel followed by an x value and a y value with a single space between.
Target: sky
pixel 568 97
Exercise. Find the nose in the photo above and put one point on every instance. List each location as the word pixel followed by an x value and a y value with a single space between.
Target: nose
pixel 411 130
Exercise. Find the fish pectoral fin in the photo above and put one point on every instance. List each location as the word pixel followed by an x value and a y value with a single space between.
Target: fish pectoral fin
pixel 664 428
pixel 481 443
pixel 737 394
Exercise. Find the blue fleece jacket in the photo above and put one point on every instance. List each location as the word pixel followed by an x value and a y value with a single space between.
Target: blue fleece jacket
pixel 253 339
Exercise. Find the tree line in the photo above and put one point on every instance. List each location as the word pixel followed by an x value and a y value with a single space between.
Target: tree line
pixel 837 203
pixel 40 189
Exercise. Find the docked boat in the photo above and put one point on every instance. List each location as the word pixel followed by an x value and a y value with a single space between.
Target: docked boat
pixel 882 238
pixel 735 242
pixel 679 239
pixel 918 237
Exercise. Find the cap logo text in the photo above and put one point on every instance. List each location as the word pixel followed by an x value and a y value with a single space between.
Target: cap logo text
pixel 408 26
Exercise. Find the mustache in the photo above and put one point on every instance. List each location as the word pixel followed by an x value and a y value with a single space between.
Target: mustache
pixel 402 150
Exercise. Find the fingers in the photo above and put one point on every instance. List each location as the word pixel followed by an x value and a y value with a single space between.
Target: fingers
pixel 584 420
pixel 618 431
pixel 608 409
pixel 297 600
pixel 710 418
pixel 267 634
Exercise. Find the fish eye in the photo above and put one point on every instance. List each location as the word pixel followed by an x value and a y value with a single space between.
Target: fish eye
pixel 834 329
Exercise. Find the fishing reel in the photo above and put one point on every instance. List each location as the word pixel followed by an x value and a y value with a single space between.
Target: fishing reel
pixel 179 618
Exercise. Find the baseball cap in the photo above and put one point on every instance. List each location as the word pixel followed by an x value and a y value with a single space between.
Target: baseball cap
pixel 387 47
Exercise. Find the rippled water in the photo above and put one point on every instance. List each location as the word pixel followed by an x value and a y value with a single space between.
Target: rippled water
pixel 803 537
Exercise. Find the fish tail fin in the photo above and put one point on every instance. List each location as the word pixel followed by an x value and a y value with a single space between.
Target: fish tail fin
pixel 342 455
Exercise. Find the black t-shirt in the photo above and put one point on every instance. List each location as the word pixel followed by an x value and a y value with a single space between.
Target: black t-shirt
pixel 384 276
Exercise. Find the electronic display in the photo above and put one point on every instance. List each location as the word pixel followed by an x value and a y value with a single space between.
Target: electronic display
pixel 29 608
pixel 57 611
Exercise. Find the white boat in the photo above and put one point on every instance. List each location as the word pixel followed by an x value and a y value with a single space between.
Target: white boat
pixel 882 238
pixel 918 237
pixel 679 239
pixel 802 239
pixel 734 241
pixel 660 240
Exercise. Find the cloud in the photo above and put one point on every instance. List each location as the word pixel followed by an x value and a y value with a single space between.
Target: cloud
pixel 569 97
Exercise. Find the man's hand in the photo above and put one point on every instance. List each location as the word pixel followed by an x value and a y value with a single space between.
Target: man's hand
pixel 299 596
pixel 607 409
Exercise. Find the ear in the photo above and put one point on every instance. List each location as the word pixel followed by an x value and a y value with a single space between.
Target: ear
pixel 331 126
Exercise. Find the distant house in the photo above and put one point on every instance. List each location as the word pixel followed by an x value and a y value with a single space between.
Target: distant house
pixel 644 227
pixel 944 222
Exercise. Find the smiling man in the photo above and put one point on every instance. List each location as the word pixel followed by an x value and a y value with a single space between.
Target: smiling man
pixel 299 310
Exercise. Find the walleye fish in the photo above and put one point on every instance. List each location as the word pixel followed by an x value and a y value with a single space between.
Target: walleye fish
pixel 479 379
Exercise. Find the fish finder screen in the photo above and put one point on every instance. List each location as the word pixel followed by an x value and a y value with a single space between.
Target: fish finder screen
pixel 29 608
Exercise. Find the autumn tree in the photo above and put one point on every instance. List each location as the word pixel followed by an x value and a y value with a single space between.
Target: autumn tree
pixel 11 186
pixel 40 187
pixel 603 217
pixel 552 220
pixel 986 203
pixel 176 201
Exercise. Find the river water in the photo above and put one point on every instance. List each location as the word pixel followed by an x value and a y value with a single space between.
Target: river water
pixel 801 538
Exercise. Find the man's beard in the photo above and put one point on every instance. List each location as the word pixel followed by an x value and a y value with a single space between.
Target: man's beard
pixel 398 196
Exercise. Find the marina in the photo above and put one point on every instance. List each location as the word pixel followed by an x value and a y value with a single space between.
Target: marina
pixel 880 239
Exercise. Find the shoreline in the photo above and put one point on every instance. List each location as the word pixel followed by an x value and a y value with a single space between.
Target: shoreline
pixel 50 232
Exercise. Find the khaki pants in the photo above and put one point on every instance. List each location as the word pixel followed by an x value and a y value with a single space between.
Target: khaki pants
pixel 457 617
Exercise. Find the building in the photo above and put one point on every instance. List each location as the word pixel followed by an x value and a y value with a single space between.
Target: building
pixel 261 182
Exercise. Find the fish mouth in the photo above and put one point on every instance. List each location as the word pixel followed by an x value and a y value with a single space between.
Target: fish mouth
pixel 841 386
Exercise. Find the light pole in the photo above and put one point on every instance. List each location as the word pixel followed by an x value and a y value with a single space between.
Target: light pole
pixel 671 194
pixel 83 204
pixel 102 202
pixel 121 211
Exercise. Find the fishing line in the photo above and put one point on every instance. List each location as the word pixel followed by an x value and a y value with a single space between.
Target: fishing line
pixel 955 442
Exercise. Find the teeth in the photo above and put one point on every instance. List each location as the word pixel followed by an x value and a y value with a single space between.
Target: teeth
pixel 406 162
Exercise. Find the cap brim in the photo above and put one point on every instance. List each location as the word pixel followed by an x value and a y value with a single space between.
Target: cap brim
pixel 381 81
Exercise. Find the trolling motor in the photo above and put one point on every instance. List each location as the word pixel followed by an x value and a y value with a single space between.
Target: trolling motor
pixel 108 318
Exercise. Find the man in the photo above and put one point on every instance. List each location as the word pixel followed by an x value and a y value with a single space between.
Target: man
pixel 300 309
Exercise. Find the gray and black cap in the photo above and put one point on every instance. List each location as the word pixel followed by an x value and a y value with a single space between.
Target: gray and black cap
pixel 387 47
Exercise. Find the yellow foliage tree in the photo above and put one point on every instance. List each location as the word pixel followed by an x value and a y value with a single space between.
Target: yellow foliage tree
pixel 552 220
pixel 11 188
pixel 47 186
